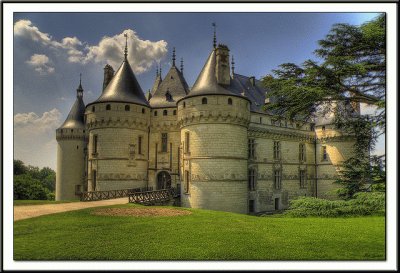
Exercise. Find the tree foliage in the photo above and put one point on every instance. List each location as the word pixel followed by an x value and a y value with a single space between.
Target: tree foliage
pixel 33 183
pixel 352 69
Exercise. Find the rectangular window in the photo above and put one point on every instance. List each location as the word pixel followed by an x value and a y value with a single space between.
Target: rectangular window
pixel 140 145
pixel 302 152
pixel 324 154
pixel 277 150
pixel 94 144
pixel 302 176
pixel 251 144
pixel 251 206
pixel 251 179
pixel 277 180
pixel 187 138
pixel 164 142
pixel 187 177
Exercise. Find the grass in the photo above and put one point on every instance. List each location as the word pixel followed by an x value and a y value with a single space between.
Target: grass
pixel 40 202
pixel 203 235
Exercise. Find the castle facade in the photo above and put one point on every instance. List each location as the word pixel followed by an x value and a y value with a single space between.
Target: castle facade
pixel 214 141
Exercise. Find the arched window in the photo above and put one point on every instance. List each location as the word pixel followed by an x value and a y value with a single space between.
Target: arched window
pixel 108 107
pixel 143 111
pixel 174 112
pixel 230 101
pixel 165 112
pixel 204 101
pixel 127 108
pixel 93 109
pixel 184 104
pixel 323 127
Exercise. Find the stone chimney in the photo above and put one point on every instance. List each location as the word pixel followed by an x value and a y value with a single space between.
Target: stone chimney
pixel 108 75
pixel 222 67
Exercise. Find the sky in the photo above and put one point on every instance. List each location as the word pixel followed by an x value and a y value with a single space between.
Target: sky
pixel 52 49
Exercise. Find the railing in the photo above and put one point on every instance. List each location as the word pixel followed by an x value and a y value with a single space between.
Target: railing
pixel 152 197
pixel 112 194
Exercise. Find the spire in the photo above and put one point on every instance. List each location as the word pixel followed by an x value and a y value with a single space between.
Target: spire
pixel 160 71
pixel 182 65
pixel 126 46
pixel 156 70
pixel 233 65
pixel 79 91
pixel 173 57
pixel 215 34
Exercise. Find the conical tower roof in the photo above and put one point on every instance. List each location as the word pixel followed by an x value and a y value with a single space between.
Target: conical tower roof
pixel 123 87
pixel 75 118
pixel 206 83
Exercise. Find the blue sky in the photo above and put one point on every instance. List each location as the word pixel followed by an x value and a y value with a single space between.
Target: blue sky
pixel 52 49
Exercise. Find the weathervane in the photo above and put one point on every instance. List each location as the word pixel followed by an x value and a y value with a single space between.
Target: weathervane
pixel 215 34
pixel 126 46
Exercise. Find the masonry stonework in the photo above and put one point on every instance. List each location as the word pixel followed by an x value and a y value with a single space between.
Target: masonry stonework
pixel 214 142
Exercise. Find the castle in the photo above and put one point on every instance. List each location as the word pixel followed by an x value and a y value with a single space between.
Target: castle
pixel 214 141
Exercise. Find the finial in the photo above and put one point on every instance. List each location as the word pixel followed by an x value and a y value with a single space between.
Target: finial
pixel 182 65
pixel 156 70
pixel 126 46
pixel 233 65
pixel 173 57
pixel 79 91
pixel 160 70
pixel 215 34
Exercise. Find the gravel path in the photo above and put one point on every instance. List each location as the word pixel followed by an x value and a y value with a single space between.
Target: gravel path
pixel 24 212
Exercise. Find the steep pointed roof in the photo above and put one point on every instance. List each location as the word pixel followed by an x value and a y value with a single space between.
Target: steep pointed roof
pixel 123 87
pixel 175 84
pixel 156 84
pixel 206 83
pixel 75 118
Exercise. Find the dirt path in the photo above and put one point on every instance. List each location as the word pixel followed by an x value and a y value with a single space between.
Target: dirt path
pixel 24 212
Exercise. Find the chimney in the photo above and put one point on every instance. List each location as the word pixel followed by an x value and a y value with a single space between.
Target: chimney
pixel 252 80
pixel 222 70
pixel 108 75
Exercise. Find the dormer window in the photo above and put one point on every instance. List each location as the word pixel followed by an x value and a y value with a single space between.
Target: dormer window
pixel 168 96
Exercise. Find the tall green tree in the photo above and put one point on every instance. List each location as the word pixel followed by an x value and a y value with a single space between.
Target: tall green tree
pixel 352 68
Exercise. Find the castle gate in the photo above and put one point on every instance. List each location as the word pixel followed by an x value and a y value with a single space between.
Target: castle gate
pixel 163 180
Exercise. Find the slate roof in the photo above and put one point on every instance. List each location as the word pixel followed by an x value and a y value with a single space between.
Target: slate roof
pixel 175 84
pixel 123 88
pixel 75 118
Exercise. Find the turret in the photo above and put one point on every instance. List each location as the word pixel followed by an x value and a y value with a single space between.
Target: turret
pixel 71 150
pixel 214 121
pixel 117 124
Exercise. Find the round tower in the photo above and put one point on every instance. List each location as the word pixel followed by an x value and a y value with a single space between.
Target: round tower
pixel 118 123
pixel 214 118
pixel 71 144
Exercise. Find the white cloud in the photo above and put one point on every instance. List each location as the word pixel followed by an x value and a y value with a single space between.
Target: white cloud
pixel 40 63
pixel 34 137
pixel 142 54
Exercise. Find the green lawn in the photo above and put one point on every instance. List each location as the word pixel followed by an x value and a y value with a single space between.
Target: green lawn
pixel 40 202
pixel 203 235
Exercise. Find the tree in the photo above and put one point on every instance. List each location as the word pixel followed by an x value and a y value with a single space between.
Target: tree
pixel 352 69
pixel 26 187
pixel 19 167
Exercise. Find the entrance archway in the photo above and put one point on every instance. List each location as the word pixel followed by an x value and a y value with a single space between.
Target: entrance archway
pixel 163 180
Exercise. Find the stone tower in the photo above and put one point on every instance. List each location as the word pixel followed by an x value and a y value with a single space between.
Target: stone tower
pixel 214 122
pixel 71 144
pixel 118 123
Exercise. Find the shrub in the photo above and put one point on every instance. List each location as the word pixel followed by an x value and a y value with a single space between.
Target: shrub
pixel 365 203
